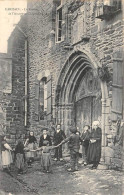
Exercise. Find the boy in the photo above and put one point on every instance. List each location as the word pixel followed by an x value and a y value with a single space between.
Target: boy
pixel 45 137
pixel 59 135
pixel 74 146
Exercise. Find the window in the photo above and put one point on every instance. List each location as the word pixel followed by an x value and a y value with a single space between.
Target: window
pixel 117 86
pixel 108 8
pixel 68 27
pixel 43 99
pixel 59 25
pixel 116 4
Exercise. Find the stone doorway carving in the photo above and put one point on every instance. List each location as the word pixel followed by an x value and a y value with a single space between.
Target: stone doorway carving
pixel 74 70
pixel 88 106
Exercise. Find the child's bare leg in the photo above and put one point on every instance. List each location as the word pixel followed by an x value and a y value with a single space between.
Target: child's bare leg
pixel 76 161
pixel 49 169
pixel 44 169
pixel 72 162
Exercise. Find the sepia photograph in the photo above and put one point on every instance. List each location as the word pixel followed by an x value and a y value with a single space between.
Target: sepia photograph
pixel 61 97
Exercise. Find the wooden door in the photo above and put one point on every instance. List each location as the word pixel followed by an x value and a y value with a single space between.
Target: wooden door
pixel 84 112
pixel 88 106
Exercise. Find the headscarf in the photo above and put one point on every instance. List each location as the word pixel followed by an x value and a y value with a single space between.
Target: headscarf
pixel 32 139
pixel 19 147
pixel 95 123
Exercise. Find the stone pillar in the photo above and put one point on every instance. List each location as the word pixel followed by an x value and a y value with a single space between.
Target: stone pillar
pixel 62 117
pixel 103 130
pixel 68 116
pixel 59 115
pixel 54 111
pixel 67 121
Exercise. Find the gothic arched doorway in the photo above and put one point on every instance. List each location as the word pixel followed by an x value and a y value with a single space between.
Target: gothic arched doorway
pixel 78 93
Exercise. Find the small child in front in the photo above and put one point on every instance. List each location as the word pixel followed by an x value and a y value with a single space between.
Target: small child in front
pixel 46 161
pixel 19 156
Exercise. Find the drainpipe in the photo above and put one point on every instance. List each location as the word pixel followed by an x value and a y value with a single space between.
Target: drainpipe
pixel 26 71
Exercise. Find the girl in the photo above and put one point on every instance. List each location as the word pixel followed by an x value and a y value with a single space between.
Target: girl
pixel 46 160
pixel 19 156
pixel 6 154
pixel 30 143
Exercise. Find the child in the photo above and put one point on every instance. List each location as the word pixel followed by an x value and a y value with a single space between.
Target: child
pixel 19 156
pixel 59 135
pixel 6 154
pixel 74 146
pixel 85 143
pixel 30 143
pixel 44 137
pixel 46 160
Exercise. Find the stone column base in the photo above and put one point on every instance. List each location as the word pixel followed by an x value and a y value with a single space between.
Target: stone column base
pixel 102 167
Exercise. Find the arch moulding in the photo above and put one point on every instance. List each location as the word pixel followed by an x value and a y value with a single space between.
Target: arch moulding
pixel 95 64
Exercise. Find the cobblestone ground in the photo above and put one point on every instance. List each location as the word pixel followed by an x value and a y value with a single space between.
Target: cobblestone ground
pixel 60 182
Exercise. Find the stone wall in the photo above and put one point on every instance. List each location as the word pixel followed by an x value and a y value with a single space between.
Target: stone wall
pixel 43 54
pixel 101 39
pixel 105 38
pixel 15 111
pixel 12 102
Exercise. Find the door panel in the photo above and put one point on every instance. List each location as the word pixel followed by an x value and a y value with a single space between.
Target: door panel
pixel 88 105
pixel 87 110
pixel 83 112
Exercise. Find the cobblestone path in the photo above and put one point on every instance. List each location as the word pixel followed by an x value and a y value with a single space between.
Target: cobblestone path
pixel 83 182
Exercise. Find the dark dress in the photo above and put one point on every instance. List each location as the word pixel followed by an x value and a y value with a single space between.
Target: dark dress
pixel 57 139
pixel 19 156
pixel 94 149
pixel 31 146
pixel 46 160
pixel 85 144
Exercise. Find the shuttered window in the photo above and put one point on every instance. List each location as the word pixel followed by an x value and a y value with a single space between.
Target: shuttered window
pixel 37 87
pixel 43 99
pixel 68 27
pixel 59 25
pixel 116 4
pixel 49 97
pixel 117 86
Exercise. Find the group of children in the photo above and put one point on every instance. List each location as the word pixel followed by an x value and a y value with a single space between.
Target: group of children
pixel 19 154
pixel 74 141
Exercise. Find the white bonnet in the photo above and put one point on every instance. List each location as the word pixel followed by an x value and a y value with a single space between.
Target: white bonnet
pixel 95 123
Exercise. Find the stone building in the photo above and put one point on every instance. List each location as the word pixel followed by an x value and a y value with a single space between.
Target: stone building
pixel 67 68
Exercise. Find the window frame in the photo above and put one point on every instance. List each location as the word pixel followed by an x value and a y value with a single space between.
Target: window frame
pixel 58 9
